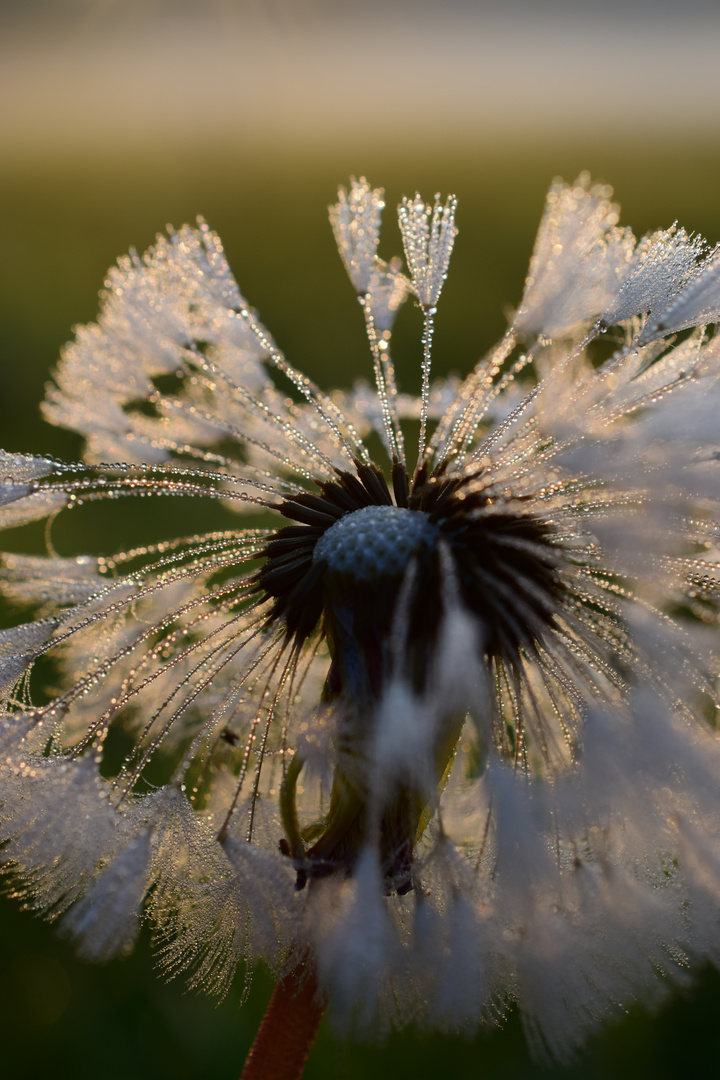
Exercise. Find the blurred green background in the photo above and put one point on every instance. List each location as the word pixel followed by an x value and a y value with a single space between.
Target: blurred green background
pixel 70 206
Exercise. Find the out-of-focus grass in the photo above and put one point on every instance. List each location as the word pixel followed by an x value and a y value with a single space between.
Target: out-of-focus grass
pixel 63 222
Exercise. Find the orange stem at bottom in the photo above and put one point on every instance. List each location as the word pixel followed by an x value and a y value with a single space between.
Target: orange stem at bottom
pixel 288 1029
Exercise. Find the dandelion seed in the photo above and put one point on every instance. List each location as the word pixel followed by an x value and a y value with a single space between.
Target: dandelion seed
pixel 355 220
pixel 579 259
pixel 428 237
pixel 440 737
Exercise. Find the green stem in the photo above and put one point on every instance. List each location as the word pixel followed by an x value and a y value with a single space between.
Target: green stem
pixel 288 808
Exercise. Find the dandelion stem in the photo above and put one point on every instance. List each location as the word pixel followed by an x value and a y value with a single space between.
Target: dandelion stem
pixel 287 1032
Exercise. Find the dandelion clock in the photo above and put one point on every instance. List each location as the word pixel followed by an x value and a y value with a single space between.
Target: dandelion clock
pixel 430 726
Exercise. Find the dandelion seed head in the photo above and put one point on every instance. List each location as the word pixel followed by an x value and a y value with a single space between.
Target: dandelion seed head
pixel 439 719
